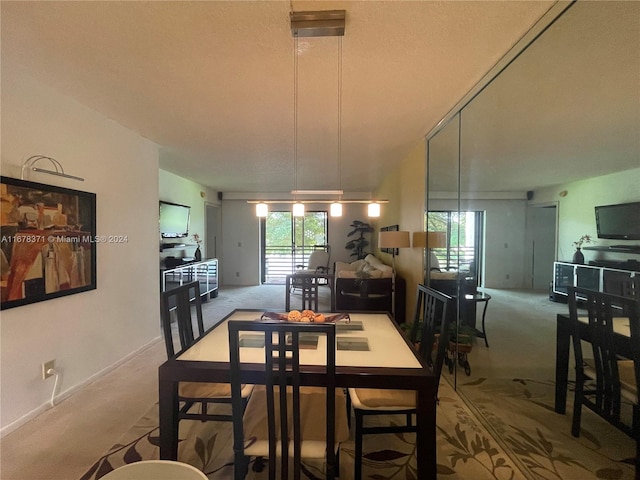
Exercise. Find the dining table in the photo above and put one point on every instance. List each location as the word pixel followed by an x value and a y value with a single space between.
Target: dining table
pixel 564 332
pixel 371 352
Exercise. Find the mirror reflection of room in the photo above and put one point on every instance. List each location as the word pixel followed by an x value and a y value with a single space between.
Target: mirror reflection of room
pixel 536 153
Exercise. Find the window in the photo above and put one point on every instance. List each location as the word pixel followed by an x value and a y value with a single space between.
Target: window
pixel 288 241
pixel 465 233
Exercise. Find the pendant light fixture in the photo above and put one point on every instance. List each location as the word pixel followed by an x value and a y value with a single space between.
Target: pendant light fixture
pixel 373 209
pixel 262 209
pixel 329 23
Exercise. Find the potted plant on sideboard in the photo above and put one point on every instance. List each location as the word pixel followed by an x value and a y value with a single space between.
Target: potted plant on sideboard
pixel 578 256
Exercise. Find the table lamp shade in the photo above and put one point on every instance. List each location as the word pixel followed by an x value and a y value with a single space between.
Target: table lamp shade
pixel 429 239
pixel 388 239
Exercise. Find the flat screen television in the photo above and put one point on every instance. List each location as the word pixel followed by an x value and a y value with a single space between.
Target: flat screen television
pixel 619 222
pixel 174 220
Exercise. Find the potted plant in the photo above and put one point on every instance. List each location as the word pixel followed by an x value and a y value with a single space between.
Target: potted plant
pixel 461 339
pixel 357 245
pixel 578 256
pixel 198 253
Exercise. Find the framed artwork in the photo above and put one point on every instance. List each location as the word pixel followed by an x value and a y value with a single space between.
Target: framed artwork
pixel 48 242
pixel 390 228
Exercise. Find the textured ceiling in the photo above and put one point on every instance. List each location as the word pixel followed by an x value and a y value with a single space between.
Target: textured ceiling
pixel 212 83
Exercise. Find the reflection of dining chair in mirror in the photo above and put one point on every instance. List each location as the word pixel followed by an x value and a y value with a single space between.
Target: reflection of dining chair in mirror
pixel 316 422
pixel 605 384
pixel 430 335
pixel 183 302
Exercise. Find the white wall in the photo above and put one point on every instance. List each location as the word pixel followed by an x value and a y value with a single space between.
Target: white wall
pixel 576 215
pixel 405 190
pixel 175 189
pixel 86 333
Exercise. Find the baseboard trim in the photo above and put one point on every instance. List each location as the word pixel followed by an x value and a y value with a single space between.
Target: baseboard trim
pixel 70 391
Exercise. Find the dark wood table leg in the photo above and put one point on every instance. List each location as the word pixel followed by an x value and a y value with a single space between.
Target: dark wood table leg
pixel 168 412
pixel 563 338
pixel 426 434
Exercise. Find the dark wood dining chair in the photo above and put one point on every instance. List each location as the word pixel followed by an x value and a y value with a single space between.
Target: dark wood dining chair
pixel 604 383
pixel 430 334
pixel 184 302
pixel 315 423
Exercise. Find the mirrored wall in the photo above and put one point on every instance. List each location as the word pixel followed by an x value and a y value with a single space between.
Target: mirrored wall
pixel 510 169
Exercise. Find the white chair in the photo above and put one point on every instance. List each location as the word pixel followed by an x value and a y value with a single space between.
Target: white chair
pixel 318 262
pixel 156 470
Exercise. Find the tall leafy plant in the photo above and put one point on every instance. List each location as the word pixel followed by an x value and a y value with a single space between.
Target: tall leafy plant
pixel 358 244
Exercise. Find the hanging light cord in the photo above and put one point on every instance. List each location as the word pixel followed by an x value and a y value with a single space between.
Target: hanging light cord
pixel 340 114
pixel 295 112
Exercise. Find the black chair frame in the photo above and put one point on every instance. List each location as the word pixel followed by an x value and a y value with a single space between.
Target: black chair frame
pixel 604 398
pixel 181 300
pixel 281 370
pixel 430 325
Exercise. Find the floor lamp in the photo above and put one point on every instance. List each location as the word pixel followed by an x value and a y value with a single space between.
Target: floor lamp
pixel 393 240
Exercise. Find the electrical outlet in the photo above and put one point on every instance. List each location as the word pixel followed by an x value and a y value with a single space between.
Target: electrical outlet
pixel 45 368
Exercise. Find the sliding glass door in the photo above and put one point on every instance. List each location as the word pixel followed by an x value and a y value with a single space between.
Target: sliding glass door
pixel 287 242
pixel 463 249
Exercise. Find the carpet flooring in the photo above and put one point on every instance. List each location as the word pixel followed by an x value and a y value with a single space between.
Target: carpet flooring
pixel 465 448
pixel 519 414
pixel 497 429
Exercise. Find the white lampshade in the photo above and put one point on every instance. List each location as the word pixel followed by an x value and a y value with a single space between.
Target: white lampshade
pixel 262 209
pixel 298 209
pixel 373 210
pixel 389 239
pixel 335 209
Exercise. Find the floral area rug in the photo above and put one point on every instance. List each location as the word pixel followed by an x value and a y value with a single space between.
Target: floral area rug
pixel 519 414
pixel 465 449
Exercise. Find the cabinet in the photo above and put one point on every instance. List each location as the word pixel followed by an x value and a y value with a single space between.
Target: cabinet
pixel 206 273
pixel 593 277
